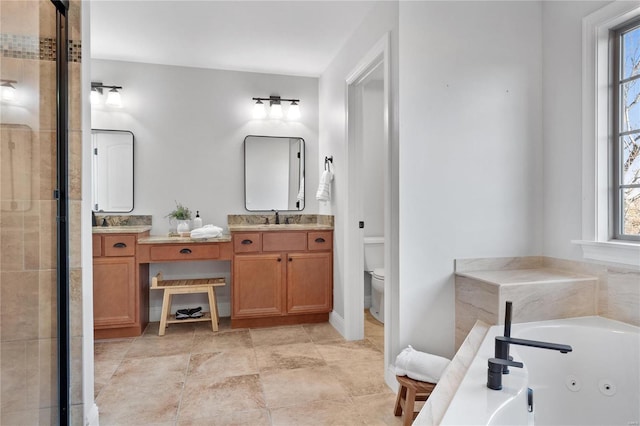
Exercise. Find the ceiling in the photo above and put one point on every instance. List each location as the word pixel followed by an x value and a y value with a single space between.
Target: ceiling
pixel 276 37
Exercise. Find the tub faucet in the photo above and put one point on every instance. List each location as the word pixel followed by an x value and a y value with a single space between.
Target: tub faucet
pixel 502 360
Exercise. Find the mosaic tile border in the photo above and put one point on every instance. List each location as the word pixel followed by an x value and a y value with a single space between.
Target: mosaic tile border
pixel 37 48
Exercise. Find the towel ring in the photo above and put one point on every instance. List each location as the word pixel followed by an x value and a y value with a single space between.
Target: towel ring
pixel 328 160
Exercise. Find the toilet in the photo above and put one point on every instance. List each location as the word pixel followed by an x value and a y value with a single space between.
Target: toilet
pixel 374 265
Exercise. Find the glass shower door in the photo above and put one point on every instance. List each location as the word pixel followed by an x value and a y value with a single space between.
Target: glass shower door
pixel 29 245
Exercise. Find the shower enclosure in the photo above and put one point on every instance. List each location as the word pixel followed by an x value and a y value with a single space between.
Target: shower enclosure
pixel 40 349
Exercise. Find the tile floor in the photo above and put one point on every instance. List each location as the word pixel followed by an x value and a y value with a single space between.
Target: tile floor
pixel 295 375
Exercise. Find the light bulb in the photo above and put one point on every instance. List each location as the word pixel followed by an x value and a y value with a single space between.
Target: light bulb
pixel 113 98
pixel 8 92
pixel 96 97
pixel 276 111
pixel 294 111
pixel 259 110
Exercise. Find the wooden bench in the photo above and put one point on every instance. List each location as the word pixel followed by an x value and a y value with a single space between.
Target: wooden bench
pixel 171 287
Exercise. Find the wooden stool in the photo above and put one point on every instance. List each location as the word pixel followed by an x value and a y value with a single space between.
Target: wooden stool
pixel 411 391
pixel 171 287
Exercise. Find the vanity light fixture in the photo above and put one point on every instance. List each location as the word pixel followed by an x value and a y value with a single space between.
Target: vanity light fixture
pixel 113 96
pixel 8 90
pixel 275 108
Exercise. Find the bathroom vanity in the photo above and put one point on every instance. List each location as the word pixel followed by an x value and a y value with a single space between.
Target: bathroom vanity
pixel 282 274
pixel 120 287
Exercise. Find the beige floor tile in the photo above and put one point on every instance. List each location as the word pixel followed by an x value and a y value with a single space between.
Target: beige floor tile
pixel 128 405
pixel 303 385
pixel 102 372
pixel 206 398
pixel 378 409
pixel 287 357
pixel 186 329
pixel 205 327
pixel 112 350
pixel 235 418
pixel 358 350
pixel 234 362
pixel 221 342
pixel 360 377
pixel 333 413
pixel 323 332
pixel 152 346
pixel 279 335
pixel 156 370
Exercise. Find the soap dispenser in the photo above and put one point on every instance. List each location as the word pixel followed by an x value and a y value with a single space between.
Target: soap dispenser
pixel 197 222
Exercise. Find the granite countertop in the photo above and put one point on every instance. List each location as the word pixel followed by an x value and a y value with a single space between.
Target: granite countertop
pixel 163 239
pixel 281 227
pixel 120 229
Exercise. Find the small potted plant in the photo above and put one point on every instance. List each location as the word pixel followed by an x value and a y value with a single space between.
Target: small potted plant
pixel 182 215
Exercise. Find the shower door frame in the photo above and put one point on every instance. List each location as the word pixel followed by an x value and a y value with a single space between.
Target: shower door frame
pixel 62 198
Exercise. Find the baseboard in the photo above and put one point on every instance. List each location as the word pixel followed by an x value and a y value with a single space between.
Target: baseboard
pixel 390 377
pixel 92 417
pixel 224 310
pixel 337 322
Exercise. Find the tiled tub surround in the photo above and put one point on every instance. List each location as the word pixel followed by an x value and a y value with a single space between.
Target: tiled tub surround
pixel 542 288
pixel 616 296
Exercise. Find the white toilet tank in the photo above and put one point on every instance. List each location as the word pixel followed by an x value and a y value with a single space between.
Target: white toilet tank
pixel 373 253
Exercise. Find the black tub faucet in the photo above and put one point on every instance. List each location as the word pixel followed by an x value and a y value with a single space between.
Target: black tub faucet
pixel 502 359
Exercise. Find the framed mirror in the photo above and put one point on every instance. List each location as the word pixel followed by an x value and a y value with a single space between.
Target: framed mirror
pixel 112 170
pixel 273 173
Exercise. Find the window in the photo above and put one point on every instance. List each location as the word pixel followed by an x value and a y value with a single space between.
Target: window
pixel 626 130
pixel 610 204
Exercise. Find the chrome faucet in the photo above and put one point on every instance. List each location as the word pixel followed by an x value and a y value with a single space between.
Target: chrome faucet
pixel 499 365
pixel 277 217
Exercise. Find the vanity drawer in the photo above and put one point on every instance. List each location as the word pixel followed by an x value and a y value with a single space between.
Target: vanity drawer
pixel 247 242
pixel 320 240
pixel 185 252
pixel 284 241
pixel 119 245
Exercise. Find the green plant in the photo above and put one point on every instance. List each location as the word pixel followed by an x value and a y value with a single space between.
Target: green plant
pixel 180 213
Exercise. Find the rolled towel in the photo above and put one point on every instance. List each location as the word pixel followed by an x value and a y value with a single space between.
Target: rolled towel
pixel 324 187
pixel 207 231
pixel 420 365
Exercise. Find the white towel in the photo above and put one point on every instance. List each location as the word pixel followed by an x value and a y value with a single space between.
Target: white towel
pixel 207 231
pixel 420 365
pixel 301 190
pixel 324 188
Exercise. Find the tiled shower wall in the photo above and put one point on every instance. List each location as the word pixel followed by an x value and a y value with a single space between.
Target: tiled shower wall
pixel 28 336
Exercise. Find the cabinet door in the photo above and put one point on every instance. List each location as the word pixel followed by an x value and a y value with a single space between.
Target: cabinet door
pixel 114 292
pixel 258 285
pixel 309 283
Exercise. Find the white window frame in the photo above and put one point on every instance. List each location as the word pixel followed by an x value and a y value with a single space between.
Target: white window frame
pixel 597 241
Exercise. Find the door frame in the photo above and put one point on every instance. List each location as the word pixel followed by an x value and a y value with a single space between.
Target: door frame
pixel 378 55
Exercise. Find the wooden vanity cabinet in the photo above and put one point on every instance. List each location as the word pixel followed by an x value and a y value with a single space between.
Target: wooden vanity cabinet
pixel 282 277
pixel 120 296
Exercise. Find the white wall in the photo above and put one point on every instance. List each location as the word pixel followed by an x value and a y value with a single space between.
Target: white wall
pixel 562 94
pixel 189 125
pixel 382 19
pixel 470 150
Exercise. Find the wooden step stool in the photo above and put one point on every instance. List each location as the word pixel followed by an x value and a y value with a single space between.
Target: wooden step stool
pixel 171 287
pixel 411 391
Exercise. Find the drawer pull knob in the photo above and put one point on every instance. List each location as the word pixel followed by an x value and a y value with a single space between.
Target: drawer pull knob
pixel 320 240
pixel 247 242
pixel 290 260
pixel 185 251
pixel 279 259
pixel 119 245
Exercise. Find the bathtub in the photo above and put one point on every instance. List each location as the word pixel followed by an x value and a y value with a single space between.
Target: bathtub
pixel 598 383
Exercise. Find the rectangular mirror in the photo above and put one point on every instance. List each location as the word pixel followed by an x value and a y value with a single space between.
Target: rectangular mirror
pixel 273 173
pixel 112 170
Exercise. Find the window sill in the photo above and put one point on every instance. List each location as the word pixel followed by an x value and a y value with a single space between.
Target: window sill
pixel 623 253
